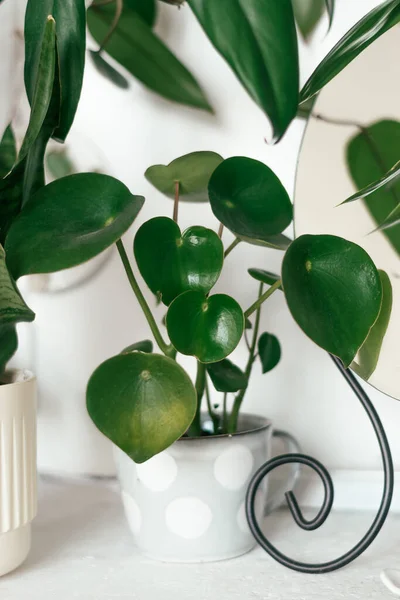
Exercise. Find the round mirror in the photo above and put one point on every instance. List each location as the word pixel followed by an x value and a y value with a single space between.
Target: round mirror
pixel 351 140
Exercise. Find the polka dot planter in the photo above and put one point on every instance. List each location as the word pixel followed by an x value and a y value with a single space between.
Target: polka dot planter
pixel 187 503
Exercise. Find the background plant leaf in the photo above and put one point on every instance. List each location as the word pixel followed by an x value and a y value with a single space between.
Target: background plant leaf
pixel 107 70
pixel 333 291
pixel 69 222
pixel 264 276
pixel 258 40
pixel 70 18
pixel 367 30
pixel 8 152
pixel 390 176
pixel 269 350
pixel 249 199
pixel 369 352
pixel 59 163
pixel 192 171
pixel 370 154
pixel 227 377
pixel 143 346
pixel 147 9
pixel 209 328
pixel 141 402
pixel 144 55
pixel 330 7
pixel 307 15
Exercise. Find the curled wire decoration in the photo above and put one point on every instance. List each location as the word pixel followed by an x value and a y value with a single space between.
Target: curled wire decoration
pixel 325 510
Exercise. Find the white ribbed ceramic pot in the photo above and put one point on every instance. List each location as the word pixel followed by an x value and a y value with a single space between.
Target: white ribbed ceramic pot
pixel 18 496
pixel 187 504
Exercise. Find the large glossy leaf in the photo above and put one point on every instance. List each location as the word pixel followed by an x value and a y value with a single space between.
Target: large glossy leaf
pixel 264 276
pixel 143 54
pixel 209 328
pixel 370 155
pixel 192 172
pixel 333 291
pixel 369 352
pixel 249 199
pixel 68 222
pixel 172 263
pixel 307 14
pixel 269 350
pixel 12 307
pixel 141 402
pixel 366 31
pixel 8 152
pixel 70 18
pixel 227 377
pixel 258 40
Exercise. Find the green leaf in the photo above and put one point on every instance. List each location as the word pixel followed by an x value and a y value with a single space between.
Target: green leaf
pixel 69 222
pixel 59 164
pixel 333 291
pixel 248 324
pixel 192 172
pixel 143 346
pixel 141 402
pixel 8 345
pixel 307 14
pixel 172 263
pixel 369 352
pixel 276 242
pixel 370 154
pixel 11 191
pixel 366 31
pixel 249 199
pixel 145 56
pixel 12 307
pixel 147 9
pixel 258 40
pixel 330 7
pixel 264 276
pixel 8 152
pixel 227 377
pixel 108 71
pixel 269 350
pixel 393 220
pixel 42 84
pixel 70 18
pixel 391 175
pixel 209 328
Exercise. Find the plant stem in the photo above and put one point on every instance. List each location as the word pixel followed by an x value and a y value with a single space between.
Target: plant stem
pixel 195 430
pixel 212 414
pixel 235 242
pixel 167 349
pixel 220 230
pixel 176 202
pixel 263 298
pixel 225 414
pixel 233 421
pixel 118 12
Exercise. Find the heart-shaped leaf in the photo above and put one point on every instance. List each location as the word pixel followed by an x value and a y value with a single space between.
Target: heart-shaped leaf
pixel 366 31
pixel 258 40
pixel 264 276
pixel 143 346
pixel 248 198
pixel 108 70
pixel 269 350
pixel 227 377
pixel 192 172
pixel 370 155
pixel 8 152
pixel 70 23
pixel 141 402
pixel 172 263
pixel 209 328
pixel 333 291
pixel 134 45
pixel 68 222
pixel 369 352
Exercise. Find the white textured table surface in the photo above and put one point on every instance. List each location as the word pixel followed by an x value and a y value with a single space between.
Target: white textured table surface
pixel 83 550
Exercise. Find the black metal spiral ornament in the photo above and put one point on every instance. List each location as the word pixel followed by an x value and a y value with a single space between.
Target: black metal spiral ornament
pixel 325 510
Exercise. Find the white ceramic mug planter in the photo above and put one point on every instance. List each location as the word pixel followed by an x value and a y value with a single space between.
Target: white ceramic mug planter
pixel 187 503
pixel 18 497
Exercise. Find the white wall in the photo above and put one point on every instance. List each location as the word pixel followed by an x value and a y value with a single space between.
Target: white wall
pixel 136 129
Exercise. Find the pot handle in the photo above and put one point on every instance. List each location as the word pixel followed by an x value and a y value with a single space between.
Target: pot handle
pixel 277 498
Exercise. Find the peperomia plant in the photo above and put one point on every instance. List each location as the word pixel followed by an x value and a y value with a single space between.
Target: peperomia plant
pixel 144 400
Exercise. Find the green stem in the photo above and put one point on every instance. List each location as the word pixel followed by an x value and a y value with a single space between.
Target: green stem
pixel 195 430
pixel 118 12
pixel 233 421
pixel 263 298
pixel 225 423
pixel 176 201
pixel 212 414
pixel 167 349
pixel 235 242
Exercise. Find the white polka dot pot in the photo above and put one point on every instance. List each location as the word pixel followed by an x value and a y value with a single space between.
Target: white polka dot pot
pixel 187 503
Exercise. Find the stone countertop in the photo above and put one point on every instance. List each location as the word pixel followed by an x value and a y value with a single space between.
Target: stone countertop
pixel 82 550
